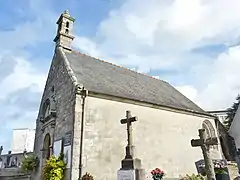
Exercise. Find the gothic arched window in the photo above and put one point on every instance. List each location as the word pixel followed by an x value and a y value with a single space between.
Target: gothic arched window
pixel 210 131
pixel 46 108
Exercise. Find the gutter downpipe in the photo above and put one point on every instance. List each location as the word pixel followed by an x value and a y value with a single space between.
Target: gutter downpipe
pixel 83 96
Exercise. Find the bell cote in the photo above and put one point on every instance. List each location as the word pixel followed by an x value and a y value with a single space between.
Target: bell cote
pixel 64 35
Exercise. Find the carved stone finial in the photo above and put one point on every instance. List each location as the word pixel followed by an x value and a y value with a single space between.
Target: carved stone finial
pixel 78 89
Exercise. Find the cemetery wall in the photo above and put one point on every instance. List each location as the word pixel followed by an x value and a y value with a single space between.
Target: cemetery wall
pixel 162 138
pixel 19 177
pixel 13 172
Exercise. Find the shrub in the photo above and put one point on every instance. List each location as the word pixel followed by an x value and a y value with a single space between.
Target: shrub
pixel 54 168
pixel 30 163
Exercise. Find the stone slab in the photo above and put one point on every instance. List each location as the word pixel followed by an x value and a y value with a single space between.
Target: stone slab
pixel 131 174
pixel 126 175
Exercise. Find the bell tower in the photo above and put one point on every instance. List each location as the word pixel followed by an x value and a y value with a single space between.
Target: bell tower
pixel 64 35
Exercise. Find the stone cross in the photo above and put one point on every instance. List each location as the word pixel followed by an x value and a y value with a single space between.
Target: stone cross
pixel 205 143
pixel 129 148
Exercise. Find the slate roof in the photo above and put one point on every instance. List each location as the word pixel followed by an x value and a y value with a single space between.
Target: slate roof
pixel 106 78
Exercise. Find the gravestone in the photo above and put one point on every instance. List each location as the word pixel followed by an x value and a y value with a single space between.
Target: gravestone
pixel 131 166
pixel 205 143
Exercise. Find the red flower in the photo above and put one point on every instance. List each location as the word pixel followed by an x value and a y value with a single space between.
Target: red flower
pixel 157 172
pixel 153 172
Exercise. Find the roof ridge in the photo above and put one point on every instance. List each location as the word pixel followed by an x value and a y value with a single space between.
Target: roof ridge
pixel 119 66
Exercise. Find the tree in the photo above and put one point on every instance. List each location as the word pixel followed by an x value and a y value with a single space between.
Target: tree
pixel 231 112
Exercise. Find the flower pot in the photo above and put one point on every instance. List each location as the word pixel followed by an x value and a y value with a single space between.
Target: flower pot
pixel 222 177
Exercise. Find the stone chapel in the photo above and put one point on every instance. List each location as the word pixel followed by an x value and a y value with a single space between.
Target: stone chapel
pixel 83 102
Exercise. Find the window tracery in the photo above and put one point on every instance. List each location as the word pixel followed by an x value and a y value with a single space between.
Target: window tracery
pixel 210 131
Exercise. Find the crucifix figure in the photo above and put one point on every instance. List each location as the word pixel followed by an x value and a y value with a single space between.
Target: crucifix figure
pixel 129 148
pixel 205 143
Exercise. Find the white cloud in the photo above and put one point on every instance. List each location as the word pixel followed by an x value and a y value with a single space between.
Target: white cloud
pixel 86 46
pixel 21 83
pixel 20 93
pixel 188 91
pixel 23 75
pixel 222 80
pixel 161 34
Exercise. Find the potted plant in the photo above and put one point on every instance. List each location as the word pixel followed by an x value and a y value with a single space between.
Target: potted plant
pixel 87 176
pixel 157 174
pixel 54 168
pixel 29 163
pixel 220 171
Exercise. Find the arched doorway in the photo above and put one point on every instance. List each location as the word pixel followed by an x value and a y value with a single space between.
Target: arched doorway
pixel 47 146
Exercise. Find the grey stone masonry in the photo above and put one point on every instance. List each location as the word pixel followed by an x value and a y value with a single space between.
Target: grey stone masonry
pixel 59 85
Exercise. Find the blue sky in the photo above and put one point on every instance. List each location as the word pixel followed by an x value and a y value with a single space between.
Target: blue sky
pixel 190 43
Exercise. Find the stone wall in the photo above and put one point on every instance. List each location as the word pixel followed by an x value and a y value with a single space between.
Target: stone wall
pixel 13 172
pixel 19 156
pixel 162 138
pixel 64 95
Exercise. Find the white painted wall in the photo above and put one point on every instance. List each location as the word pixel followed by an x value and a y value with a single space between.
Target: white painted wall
pixel 22 139
pixel 235 128
pixel 162 139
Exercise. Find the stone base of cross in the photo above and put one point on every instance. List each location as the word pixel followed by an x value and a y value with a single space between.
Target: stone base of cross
pixel 131 163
